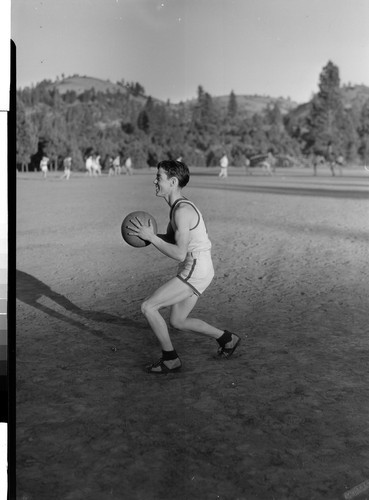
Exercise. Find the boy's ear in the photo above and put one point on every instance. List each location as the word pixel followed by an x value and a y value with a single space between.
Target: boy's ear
pixel 174 181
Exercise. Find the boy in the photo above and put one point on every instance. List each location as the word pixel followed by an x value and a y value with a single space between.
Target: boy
pixel 187 242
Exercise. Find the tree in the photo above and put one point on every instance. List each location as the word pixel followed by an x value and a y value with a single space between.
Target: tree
pixel 143 122
pixel 363 132
pixel 232 105
pixel 204 118
pixel 55 138
pixel 258 138
pixel 274 116
pixel 326 112
pixel 26 139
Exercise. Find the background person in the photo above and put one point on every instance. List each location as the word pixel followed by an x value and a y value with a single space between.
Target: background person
pixel 116 165
pixel 269 163
pixel 44 166
pixel 128 166
pixel 109 164
pixel 224 166
pixel 88 165
pixel 247 164
pixel 96 165
pixel 67 164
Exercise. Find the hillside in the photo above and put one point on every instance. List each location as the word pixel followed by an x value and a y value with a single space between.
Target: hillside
pixel 255 104
pixel 249 104
pixel 354 96
pixel 80 84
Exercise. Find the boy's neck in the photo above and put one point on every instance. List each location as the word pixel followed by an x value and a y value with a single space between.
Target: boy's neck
pixel 173 197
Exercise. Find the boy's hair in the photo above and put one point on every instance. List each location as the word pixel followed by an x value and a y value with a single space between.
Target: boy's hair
pixel 175 168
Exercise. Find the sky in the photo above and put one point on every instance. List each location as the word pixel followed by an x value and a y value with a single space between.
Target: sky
pixel 265 47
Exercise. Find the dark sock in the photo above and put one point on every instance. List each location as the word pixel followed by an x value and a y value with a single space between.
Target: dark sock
pixel 225 338
pixel 168 355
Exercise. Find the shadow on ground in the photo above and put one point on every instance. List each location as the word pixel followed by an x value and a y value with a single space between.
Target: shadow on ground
pixel 30 290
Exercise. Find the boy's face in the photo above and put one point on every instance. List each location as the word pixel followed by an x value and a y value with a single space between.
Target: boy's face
pixel 163 185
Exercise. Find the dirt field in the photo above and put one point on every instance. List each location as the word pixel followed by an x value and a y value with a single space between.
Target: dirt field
pixel 285 418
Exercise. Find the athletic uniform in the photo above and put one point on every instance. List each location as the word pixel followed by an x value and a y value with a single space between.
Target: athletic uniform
pixel 197 269
pixel 223 166
pixel 43 164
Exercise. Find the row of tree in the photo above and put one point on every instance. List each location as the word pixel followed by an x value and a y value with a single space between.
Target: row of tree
pixel 200 131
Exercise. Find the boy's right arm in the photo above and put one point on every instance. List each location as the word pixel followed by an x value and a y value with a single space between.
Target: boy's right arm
pixel 168 237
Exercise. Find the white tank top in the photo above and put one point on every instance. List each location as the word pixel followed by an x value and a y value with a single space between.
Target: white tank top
pixel 199 240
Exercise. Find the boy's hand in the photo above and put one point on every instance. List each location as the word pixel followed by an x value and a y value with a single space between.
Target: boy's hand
pixel 146 233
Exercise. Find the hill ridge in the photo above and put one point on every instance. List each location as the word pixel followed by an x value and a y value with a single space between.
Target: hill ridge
pixel 353 95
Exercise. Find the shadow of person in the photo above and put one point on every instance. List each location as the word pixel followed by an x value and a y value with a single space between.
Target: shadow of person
pixel 30 290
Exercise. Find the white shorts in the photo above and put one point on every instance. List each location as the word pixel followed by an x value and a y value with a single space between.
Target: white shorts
pixel 197 271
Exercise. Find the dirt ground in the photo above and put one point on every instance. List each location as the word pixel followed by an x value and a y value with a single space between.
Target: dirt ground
pixel 285 418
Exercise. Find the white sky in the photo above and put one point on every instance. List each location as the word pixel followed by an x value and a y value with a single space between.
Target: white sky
pixel 265 47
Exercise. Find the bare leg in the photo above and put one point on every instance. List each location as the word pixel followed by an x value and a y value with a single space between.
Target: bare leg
pixel 170 293
pixel 177 294
pixel 181 297
pixel 179 319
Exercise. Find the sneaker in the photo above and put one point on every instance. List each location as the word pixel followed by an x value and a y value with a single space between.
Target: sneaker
pixel 164 367
pixel 227 351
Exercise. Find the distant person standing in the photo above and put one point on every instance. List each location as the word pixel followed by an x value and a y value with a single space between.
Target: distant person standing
pixel 116 165
pixel 317 161
pixel 224 166
pixel 110 166
pixel 272 161
pixel 340 162
pixel 67 164
pixel 88 165
pixel 44 166
pixel 269 163
pixel 247 164
pixel 331 158
pixel 128 165
pixel 96 165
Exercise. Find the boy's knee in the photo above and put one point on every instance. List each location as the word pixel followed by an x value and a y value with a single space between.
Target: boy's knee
pixel 176 323
pixel 147 308
pixel 144 308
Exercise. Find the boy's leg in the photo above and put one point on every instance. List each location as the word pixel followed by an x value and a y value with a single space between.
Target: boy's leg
pixel 179 319
pixel 180 296
pixel 170 293
pixel 173 291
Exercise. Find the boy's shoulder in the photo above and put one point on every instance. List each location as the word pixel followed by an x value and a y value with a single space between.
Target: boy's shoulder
pixel 185 208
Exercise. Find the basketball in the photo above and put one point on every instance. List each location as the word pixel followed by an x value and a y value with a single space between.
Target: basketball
pixel 133 240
